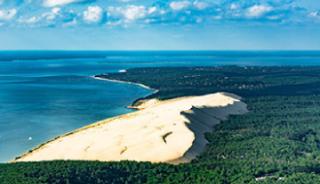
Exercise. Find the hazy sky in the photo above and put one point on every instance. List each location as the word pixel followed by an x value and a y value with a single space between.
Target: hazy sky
pixel 160 25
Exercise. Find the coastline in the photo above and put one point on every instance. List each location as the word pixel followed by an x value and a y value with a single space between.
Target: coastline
pixel 141 99
pixel 132 106
pixel 191 119
pixel 139 135
pixel 126 82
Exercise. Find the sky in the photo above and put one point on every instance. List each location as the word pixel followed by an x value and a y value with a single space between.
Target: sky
pixel 159 25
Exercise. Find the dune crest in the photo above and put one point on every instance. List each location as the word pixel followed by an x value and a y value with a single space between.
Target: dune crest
pixel 161 131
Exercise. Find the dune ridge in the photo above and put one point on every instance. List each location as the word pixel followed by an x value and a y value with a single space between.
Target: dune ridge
pixel 160 131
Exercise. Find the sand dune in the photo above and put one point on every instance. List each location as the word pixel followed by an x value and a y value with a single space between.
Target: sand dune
pixel 160 131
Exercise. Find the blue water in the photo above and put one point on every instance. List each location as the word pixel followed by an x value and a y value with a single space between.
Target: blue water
pixel 45 94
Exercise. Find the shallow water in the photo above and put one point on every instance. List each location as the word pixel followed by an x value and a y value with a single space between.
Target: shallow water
pixel 46 94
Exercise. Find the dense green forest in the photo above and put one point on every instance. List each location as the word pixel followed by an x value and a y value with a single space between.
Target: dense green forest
pixel 244 81
pixel 278 141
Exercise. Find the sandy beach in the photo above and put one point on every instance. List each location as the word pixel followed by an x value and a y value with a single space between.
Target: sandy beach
pixel 126 82
pixel 160 131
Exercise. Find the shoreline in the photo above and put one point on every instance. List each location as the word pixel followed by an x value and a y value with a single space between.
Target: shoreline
pixel 194 142
pixel 90 125
pixel 141 99
pixel 125 82
pixel 189 120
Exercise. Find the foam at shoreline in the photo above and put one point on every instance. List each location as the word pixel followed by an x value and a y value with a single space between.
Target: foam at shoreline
pixel 126 82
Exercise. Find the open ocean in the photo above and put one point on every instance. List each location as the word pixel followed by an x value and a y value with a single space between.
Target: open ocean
pixel 44 94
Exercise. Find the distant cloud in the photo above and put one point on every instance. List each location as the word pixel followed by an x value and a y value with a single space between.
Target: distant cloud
pixel 93 14
pixel 53 14
pixel 175 12
pixel 315 14
pixel 201 5
pixel 179 5
pixel 52 3
pixel 134 12
pixel 152 10
pixel 258 10
pixel 31 20
pixel 125 1
pixel 130 13
pixel 233 6
pixel 6 15
pixel 56 16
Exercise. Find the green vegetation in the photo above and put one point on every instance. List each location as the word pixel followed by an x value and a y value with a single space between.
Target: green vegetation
pixel 243 81
pixel 278 141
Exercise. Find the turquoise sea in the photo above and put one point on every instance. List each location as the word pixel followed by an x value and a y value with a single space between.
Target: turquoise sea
pixel 44 94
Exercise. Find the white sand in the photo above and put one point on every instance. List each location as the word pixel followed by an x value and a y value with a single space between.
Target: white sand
pixel 161 131
pixel 126 82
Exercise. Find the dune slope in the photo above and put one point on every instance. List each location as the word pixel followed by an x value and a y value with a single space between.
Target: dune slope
pixel 160 131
